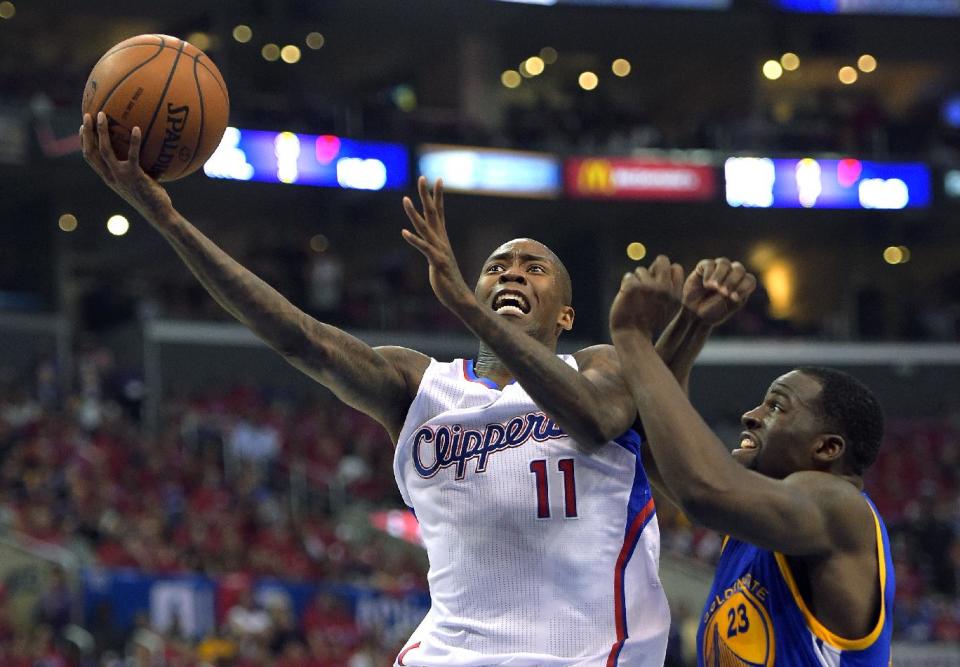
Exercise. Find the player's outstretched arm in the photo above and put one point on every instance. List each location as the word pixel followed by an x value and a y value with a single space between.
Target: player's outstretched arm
pixel 712 293
pixel 592 405
pixel 806 513
pixel 379 382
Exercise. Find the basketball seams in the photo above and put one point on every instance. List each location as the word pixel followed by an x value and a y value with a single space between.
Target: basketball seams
pixel 124 48
pixel 126 76
pixel 216 77
pixel 196 147
pixel 163 95
pixel 134 70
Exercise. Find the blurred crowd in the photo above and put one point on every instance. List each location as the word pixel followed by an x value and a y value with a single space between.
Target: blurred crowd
pixel 243 483
pixel 239 484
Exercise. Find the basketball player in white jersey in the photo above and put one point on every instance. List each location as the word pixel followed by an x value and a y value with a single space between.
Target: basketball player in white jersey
pixel 521 465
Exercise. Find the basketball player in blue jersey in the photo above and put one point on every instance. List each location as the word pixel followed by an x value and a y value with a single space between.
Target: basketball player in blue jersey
pixel 805 577
pixel 521 465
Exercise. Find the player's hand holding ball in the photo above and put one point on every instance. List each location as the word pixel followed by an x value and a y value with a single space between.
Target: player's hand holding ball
pixel 125 177
pixel 154 109
pixel 648 297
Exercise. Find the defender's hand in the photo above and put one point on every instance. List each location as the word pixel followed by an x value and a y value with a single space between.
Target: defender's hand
pixel 430 238
pixel 716 289
pixel 125 177
pixel 648 298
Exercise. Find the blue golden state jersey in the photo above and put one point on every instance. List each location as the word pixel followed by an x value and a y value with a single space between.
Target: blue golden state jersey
pixel 756 617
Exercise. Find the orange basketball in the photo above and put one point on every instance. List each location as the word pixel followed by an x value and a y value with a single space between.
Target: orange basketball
pixel 172 91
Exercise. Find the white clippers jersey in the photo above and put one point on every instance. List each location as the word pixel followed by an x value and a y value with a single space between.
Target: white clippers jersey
pixel 540 555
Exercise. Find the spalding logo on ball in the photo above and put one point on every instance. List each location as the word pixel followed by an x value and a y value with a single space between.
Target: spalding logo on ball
pixel 172 91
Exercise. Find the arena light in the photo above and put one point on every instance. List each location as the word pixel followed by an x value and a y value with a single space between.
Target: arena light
pixel 7 10
pixel 790 61
pixel 270 52
pixel 779 281
pixel 621 67
pixel 315 40
pixel 867 63
pixel 319 243
pixel 847 75
pixel 67 222
pixel 118 225
pixel 242 33
pixel 290 54
pixel 549 55
pixel 199 39
pixel 636 251
pixel 535 65
pixel 588 80
pixel 895 254
pixel 511 78
pixel 772 70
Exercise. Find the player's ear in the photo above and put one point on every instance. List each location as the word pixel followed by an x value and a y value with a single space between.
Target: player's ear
pixel 565 319
pixel 830 447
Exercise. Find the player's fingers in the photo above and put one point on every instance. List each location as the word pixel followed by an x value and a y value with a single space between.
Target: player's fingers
pixel 745 288
pixel 705 268
pixel 715 280
pixel 425 197
pixel 416 242
pixel 732 280
pixel 133 155
pixel 736 273
pixel 660 267
pixel 88 146
pixel 642 275
pixel 415 218
pixel 103 140
pixel 438 200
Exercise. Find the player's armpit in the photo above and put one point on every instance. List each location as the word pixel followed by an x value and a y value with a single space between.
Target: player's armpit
pixel 807 513
pixel 379 382
pixel 611 405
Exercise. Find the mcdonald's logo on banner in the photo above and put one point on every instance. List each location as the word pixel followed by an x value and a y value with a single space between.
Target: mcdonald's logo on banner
pixel 651 180
pixel 595 177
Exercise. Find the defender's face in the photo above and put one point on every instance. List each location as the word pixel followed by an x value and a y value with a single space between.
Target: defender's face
pixel 519 281
pixel 781 431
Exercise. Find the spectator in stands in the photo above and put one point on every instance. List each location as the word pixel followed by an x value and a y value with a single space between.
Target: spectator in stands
pixel 249 624
pixel 55 602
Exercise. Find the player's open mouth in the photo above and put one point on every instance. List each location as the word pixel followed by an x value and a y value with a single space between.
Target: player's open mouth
pixel 749 441
pixel 509 302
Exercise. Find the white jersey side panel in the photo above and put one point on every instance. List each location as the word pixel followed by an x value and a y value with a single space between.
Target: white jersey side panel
pixel 540 554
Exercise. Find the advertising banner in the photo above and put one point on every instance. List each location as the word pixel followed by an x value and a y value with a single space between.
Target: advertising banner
pixel 639 179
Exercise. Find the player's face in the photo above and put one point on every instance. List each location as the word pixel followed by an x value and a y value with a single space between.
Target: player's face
pixel 520 282
pixel 781 430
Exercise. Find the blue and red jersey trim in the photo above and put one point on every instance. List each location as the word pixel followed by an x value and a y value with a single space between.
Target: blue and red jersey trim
pixel 471 375
pixel 640 510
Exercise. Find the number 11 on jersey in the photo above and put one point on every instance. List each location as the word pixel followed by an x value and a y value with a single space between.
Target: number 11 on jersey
pixel 565 466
